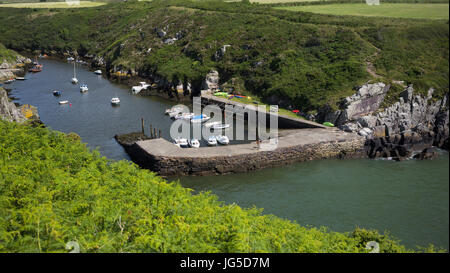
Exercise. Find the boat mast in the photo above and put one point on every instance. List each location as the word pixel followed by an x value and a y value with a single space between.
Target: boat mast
pixel 74 72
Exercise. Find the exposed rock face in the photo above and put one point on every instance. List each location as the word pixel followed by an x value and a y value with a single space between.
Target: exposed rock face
pixel 220 53
pixel 8 109
pixel 428 153
pixel 413 123
pixel 211 81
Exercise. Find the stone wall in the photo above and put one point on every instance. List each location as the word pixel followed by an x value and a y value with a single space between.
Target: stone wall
pixel 175 166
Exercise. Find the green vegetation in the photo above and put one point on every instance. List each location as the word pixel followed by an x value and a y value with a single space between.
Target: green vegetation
pixel 424 11
pixel 7 55
pixel 54 190
pixel 49 5
pixel 297 59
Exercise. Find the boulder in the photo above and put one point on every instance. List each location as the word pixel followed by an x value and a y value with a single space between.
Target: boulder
pixel 428 153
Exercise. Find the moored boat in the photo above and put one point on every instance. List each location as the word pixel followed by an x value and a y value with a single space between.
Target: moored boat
pixel 224 140
pixel 199 118
pixel 212 141
pixel 84 88
pixel 64 102
pixel 115 101
pixel 194 143
pixel 181 142
pixel 98 72
pixel 56 93
pixel 220 126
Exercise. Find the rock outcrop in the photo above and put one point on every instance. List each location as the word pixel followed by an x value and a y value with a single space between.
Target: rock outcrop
pixel 413 123
pixel 8 109
pixel 211 81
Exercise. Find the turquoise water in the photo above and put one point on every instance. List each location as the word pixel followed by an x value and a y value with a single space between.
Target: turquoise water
pixel 410 198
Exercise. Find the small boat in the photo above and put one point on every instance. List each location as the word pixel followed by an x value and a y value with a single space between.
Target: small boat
pixel 224 140
pixel 98 72
pixel 199 119
pixel 194 143
pixel 115 101
pixel 138 88
pixel 83 88
pixel 328 124
pixel 70 59
pixel 20 79
pixel 64 102
pixel 211 124
pixel 56 93
pixel 220 126
pixel 9 81
pixel 35 69
pixel 212 141
pixel 185 116
pixel 74 79
pixel 174 110
pixel 181 142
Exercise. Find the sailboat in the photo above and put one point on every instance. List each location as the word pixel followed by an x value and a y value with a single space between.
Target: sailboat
pixel 74 79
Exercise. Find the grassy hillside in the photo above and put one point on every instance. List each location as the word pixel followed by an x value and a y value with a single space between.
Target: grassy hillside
pixel 7 55
pixel 54 190
pixel 285 57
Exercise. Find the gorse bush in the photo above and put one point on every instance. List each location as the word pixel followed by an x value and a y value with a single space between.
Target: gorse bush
pixel 54 190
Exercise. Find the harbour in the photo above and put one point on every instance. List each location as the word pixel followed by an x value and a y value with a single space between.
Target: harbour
pixel 409 198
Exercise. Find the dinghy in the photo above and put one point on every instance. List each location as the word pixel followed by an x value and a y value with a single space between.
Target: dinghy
pixel 98 72
pixel 212 141
pixel 115 101
pixel 194 143
pixel 83 88
pixel 224 140
pixel 181 142
pixel 56 93
pixel 220 126
pixel 199 119
pixel 64 102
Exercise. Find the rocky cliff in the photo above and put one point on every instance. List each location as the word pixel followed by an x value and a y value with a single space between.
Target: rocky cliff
pixel 8 109
pixel 412 123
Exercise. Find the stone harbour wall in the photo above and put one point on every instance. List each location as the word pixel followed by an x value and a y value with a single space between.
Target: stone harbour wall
pixel 218 165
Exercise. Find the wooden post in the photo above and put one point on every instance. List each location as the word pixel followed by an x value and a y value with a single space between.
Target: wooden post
pixel 142 124
pixel 159 133
pixel 151 131
pixel 154 132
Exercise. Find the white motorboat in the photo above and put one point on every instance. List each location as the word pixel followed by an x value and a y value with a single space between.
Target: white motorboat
pixel 98 72
pixel 20 79
pixel 224 140
pixel 70 59
pixel 9 81
pixel 194 143
pixel 83 88
pixel 210 124
pixel 181 142
pixel 220 126
pixel 212 141
pixel 185 116
pixel 74 79
pixel 115 101
pixel 64 102
pixel 138 88
pixel 199 119
pixel 173 111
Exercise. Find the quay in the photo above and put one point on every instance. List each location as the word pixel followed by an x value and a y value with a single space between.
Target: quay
pixel 284 121
pixel 165 158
